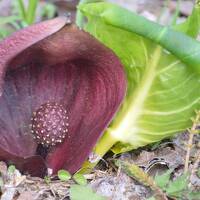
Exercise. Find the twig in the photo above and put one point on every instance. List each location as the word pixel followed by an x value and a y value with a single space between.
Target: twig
pixel 196 164
pixel 192 131
pixel 137 173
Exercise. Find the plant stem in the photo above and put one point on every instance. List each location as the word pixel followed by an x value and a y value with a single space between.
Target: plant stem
pixel 190 142
pixel 104 145
pixel 30 18
pixel 138 174
pixel 189 147
pixel 196 164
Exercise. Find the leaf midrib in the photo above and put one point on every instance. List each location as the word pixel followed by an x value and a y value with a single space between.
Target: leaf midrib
pixel 125 123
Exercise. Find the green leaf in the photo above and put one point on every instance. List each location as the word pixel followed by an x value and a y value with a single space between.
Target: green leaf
pixel 11 169
pixel 80 179
pixel 49 10
pixel 10 19
pixel 3 33
pixel 64 175
pixel 188 52
pixel 177 186
pixel 193 195
pixel 1 182
pixel 198 173
pixel 79 192
pixel 163 90
pixel 163 180
pixel 47 179
pixel 151 198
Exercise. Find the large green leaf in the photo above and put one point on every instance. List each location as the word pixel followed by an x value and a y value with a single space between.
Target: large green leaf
pixel 185 48
pixel 163 91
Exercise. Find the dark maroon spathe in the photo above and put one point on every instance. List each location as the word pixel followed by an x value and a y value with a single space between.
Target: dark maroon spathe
pixel 69 82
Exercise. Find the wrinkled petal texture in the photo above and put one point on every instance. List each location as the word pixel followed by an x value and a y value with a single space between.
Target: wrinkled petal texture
pixel 67 66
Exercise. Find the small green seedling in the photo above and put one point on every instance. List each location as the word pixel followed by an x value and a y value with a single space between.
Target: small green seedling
pixel 11 169
pixel 47 179
pixel 80 179
pixel 64 175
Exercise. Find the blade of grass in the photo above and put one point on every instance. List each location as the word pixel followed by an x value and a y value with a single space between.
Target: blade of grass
pixel 176 14
pixel 32 6
pixel 22 9
pixel 6 20
pixel 163 10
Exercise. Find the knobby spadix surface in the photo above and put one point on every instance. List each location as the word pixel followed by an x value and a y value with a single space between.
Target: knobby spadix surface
pixel 60 88
pixel 163 91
